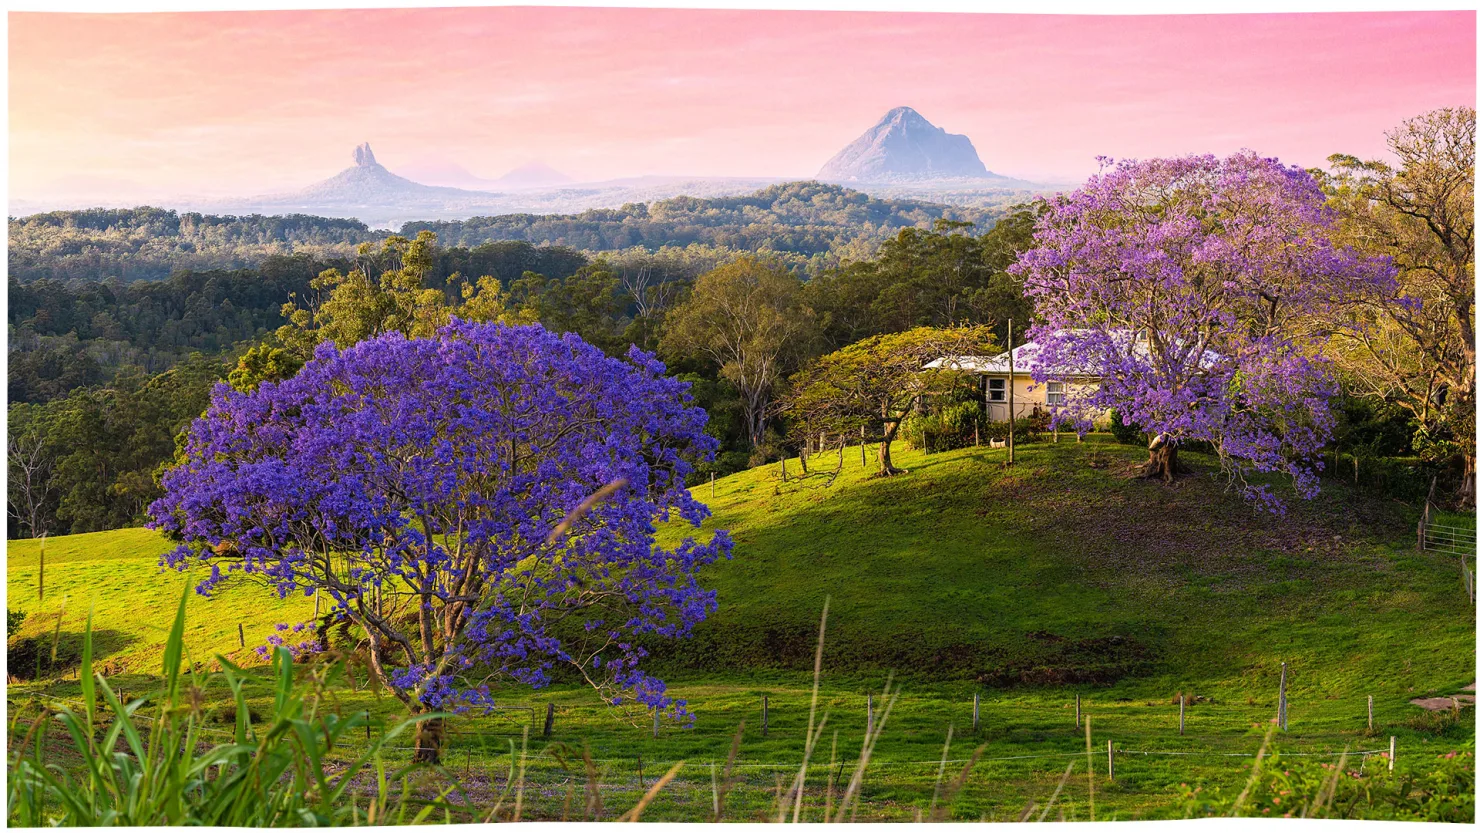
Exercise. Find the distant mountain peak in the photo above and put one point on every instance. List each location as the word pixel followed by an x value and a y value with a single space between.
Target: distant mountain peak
pixel 364 156
pixel 534 174
pixel 904 145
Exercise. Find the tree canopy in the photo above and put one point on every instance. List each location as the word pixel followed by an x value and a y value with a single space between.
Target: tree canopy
pixel 874 383
pixel 1175 283
pixel 481 503
pixel 1413 342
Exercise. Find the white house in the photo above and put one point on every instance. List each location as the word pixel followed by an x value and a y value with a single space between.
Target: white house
pixel 1028 393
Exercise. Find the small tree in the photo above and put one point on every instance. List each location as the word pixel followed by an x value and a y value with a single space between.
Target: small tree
pixel 482 504
pixel 876 382
pixel 745 317
pixel 1414 342
pixel 1178 282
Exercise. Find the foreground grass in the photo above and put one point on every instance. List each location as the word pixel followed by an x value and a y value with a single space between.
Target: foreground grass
pixel 1062 575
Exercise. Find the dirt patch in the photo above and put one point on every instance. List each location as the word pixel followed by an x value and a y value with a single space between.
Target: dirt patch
pixel 1444 704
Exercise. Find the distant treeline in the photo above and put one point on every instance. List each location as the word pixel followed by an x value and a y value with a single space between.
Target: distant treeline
pixel 808 226
pixel 147 243
pixel 825 224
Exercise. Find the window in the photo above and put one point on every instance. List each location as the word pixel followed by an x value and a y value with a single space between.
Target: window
pixel 1055 393
pixel 996 390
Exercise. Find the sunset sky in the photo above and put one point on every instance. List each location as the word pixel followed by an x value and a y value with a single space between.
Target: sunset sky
pixel 254 102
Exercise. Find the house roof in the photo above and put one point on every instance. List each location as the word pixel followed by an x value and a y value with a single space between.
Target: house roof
pixel 1025 362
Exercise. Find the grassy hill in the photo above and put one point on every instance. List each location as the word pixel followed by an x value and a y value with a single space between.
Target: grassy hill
pixel 1061 576
pixel 1062 569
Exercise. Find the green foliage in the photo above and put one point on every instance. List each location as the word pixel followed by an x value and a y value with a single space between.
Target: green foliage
pixel 937 277
pixel 263 363
pixel 745 320
pixel 134 768
pixel 1442 790
pixel 104 445
pixel 806 222
pixel 131 244
pixel 874 384
pixel 66 335
pixel 954 425
pixel 1127 433
pixel 13 620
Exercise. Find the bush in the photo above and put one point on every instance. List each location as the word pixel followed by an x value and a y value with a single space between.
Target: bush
pixel 1126 432
pixel 955 425
pixel 13 620
pixel 1439 788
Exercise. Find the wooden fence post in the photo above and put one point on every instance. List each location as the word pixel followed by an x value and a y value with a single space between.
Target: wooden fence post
pixel 1011 405
pixel 1369 712
pixel 655 722
pixel 976 429
pixel 549 718
pixel 1181 714
pixel 783 466
pixel 862 452
pixel 640 784
pixel 241 635
pixel 869 730
pixel 1282 716
pixel 41 574
pixel 765 714
pixel 1076 710
pixel 1110 760
pixel 976 711
pixel 1392 752
pixel 711 487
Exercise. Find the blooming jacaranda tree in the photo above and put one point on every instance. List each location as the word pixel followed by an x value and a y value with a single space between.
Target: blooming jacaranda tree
pixel 481 504
pixel 1183 286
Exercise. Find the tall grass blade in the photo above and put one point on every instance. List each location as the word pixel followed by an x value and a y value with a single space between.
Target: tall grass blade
pixel 636 812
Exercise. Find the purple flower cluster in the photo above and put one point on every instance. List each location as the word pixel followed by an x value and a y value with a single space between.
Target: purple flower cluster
pixel 284 631
pixel 1186 286
pixel 436 491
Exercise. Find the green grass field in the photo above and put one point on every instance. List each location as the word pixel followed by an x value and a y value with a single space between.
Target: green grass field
pixel 1063 575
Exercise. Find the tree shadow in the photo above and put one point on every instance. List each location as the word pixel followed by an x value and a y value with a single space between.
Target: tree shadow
pixel 52 656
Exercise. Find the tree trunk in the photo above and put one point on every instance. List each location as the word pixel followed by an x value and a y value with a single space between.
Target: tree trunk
pixel 886 465
pixel 1466 495
pixel 429 736
pixel 1162 464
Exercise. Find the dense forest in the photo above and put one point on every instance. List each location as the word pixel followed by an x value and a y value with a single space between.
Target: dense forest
pixel 104 375
pixel 806 225
pixel 146 243
pixel 68 334
pixel 825 224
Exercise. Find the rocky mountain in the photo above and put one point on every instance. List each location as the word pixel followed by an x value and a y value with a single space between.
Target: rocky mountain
pixel 905 146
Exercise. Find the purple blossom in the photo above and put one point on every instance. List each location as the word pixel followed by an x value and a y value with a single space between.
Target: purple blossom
pixel 1184 285
pixel 418 484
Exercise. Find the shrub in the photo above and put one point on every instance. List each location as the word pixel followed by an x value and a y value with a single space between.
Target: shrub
pixel 1125 432
pixel 1438 788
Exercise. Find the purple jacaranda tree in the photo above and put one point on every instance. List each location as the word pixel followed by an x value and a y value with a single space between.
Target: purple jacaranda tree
pixel 1183 285
pixel 481 504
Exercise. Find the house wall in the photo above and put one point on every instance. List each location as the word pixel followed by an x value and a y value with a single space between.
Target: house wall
pixel 1028 395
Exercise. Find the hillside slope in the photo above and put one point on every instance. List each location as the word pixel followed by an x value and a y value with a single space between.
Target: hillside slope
pixel 1068 569
pixel 1063 569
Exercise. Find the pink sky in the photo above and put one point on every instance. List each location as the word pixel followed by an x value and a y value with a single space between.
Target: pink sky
pixel 252 102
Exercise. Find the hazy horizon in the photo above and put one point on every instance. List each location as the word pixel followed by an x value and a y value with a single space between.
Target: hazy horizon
pixel 211 104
